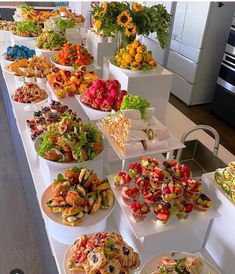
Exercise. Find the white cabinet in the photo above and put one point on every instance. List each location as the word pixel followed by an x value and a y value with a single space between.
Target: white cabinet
pixel 195 23
pixel 199 35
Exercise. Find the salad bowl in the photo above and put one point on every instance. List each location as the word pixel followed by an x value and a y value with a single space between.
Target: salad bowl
pixel 132 72
pixel 45 52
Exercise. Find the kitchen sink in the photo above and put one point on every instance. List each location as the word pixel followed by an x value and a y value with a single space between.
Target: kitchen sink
pixel 199 158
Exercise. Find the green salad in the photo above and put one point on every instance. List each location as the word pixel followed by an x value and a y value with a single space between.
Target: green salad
pixel 70 140
pixel 27 29
pixel 135 102
pixel 50 40
pixel 63 24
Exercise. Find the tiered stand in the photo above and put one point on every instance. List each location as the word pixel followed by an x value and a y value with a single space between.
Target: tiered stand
pixel 147 238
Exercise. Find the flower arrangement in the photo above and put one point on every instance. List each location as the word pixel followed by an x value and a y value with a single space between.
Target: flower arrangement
pixel 131 20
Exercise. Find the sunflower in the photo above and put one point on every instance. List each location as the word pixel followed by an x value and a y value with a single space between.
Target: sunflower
pixel 130 30
pixel 97 24
pixel 124 18
pixel 105 7
pixel 137 7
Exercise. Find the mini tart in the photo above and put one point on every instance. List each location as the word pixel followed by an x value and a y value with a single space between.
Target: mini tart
pixel 202 203
pixel 130 194
pixel 162 212
pixel 140 210
pixel 121 179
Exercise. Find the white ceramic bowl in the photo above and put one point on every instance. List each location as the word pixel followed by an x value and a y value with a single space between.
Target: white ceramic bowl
pixel 133 72
pixel 46 53
pixel 90 67
pixel 67 234
pixel 91 164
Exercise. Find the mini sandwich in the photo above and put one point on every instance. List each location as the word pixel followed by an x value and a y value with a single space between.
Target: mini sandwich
pixel 57 204
pixel 106 199
pixel 94 200
pixel 72 216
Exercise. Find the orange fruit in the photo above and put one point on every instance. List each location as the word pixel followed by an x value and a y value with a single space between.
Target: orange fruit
pixel 132 51
pixel 127 58
pixel 135 44
pixel 139 57
pixel 141 48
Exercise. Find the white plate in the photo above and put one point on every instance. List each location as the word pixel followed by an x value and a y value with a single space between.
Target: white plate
pixel 151 264
pixel 21 38
pixel 46 53
pixel 134 72
pixel 57 165
pixel 88 220
pixel 90 67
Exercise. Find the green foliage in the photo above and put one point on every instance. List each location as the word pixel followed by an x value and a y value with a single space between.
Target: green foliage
pixel 135 102
pixel 64 24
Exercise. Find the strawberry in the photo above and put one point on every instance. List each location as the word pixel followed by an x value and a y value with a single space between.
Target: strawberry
pixel 113 93
pixel 99 101
pixel 98 83
pixel 185 170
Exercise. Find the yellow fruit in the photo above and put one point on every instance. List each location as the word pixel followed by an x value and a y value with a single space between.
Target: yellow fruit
pixel 148 57
pixel 129 47
pixel 132 52
pixel 135 44
pixel 135 68
pixel 139 57
pixel 153 63
pixel 127 58
pixel 135 64
pixel 123 64
pixel 141 48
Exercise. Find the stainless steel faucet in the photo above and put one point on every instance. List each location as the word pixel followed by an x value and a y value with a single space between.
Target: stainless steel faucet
pixel 199 127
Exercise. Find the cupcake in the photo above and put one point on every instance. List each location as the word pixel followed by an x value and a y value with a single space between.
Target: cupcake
pixel 135 169
pixel 142 181
pixel 162 212
pixel 130 194
pixel 202 203
pixel 148 164
pixel 140 210
pixel 184 208
pixel 171 192
pixel 121 179
pixel 192 188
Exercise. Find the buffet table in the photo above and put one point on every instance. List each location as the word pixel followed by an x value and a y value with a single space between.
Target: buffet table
pixel 188 235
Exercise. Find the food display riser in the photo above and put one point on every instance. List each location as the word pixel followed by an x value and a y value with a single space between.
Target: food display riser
pixel 154 86
pixel 100 49
pixel 220 243
pixel 33 181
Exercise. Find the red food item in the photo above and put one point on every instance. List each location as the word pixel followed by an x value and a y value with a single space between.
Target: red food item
pixel 106 94
pixel 140 210
pixel 162 212
pixel 135 169
pixel 142 182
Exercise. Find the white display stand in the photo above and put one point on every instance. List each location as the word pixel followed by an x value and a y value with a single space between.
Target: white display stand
pixel 221 241
pixel 154 86
pixel 183 237
pixel 100 48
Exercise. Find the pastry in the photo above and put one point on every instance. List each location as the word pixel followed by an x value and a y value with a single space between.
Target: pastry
pixel 112 266
pixel 72 216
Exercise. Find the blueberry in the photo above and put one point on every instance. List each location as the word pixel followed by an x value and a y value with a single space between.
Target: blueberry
pixel 94 259
pixel 126 251
pixel 111 268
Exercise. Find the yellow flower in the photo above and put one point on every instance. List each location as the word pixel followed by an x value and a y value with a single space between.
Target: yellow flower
pixel 130 30
pixel 137 7
pixel 97 24
pixel 124 19
pixel 105 7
